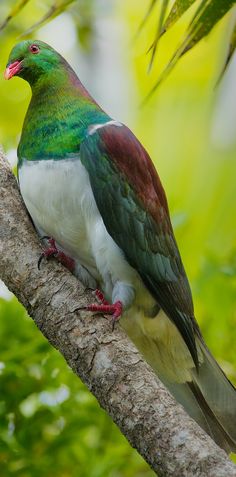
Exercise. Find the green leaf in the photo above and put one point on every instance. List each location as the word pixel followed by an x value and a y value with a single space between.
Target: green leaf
pixel 17 7
pixel 159 30
pixel 232 46
pixel 178 9
pixel 208 14
pixel 56 9
pixel 146 16
pixel 231 49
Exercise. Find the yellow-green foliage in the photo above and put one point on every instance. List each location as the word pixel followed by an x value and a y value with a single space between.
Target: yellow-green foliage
pixel 49 423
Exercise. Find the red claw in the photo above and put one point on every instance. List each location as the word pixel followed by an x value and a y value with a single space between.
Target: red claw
pixel 115 310
pixel 101 297
pixel 52 251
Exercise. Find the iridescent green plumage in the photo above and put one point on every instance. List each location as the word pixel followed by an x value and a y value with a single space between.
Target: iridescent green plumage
pixel 60 111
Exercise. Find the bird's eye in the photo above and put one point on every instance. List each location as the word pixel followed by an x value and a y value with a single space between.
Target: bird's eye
pixel 34 49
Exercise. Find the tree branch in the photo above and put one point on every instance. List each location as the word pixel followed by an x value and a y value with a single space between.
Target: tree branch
pixel 106 361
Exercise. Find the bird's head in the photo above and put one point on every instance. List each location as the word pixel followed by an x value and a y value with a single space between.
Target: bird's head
pixel 31 59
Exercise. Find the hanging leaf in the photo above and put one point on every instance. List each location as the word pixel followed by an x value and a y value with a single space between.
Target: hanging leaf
pixel 208 14
pixel 232 46
pixel 164 74
pixel 17 7
pixel 56 9
pixel 178 9
pixel 206 18
pixel 146 16
pixel 158 32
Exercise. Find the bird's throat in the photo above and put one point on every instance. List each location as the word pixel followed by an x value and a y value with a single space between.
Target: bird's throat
pixel 57 120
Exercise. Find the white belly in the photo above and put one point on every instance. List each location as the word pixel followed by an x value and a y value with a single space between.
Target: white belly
pixel 58 197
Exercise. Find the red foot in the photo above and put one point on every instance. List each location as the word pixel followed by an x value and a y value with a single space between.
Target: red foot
pixel 52 251
pixel 115 310
pixel 101 297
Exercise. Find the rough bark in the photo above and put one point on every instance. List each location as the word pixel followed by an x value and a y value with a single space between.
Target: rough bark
pixel 106 361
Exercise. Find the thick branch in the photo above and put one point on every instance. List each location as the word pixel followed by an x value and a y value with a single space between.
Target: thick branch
pixel 106 361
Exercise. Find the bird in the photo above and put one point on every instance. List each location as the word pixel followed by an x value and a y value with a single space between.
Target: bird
pixel 97 201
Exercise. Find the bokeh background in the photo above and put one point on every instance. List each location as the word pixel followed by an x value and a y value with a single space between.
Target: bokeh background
pixel 49 423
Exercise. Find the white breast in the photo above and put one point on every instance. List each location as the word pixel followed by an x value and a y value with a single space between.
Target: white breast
pixel 58 196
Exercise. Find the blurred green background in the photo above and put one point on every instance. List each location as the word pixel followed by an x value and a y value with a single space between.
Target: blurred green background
pixel 49 423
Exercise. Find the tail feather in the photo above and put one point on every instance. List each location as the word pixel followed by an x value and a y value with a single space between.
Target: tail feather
pixel 185 396
pixel 206 394
pixel 193 401
pixel 218 393
pixel 212 425
pixel 210 399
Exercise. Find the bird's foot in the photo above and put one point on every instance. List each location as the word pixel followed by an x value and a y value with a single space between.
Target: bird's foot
pixel 52 251
pixel 115 309
pixel 100 297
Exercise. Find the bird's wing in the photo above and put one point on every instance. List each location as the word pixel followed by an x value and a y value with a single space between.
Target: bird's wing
pixel 133 205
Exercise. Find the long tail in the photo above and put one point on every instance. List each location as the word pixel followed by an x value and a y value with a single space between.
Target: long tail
pixel 217 397
pixel 207 395
pixel 210 399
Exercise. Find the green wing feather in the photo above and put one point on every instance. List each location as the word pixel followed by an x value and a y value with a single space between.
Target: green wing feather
pixel 133 206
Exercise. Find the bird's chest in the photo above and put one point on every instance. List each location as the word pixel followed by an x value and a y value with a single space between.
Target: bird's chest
pixel 59 198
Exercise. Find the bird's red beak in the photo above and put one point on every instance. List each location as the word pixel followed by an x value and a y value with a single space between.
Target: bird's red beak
pixel 12 69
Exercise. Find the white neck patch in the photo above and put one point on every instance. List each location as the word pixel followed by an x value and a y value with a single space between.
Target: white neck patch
pixel 92 129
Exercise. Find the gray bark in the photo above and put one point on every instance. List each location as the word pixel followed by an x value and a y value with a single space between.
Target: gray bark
pixel 106 361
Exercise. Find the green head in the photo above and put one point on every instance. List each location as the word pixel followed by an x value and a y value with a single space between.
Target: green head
pixel 60 110
pixel 33 59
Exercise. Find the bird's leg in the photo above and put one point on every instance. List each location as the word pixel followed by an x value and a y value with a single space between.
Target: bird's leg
pixel 114 309
pixel 52 251
pixel 101 297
